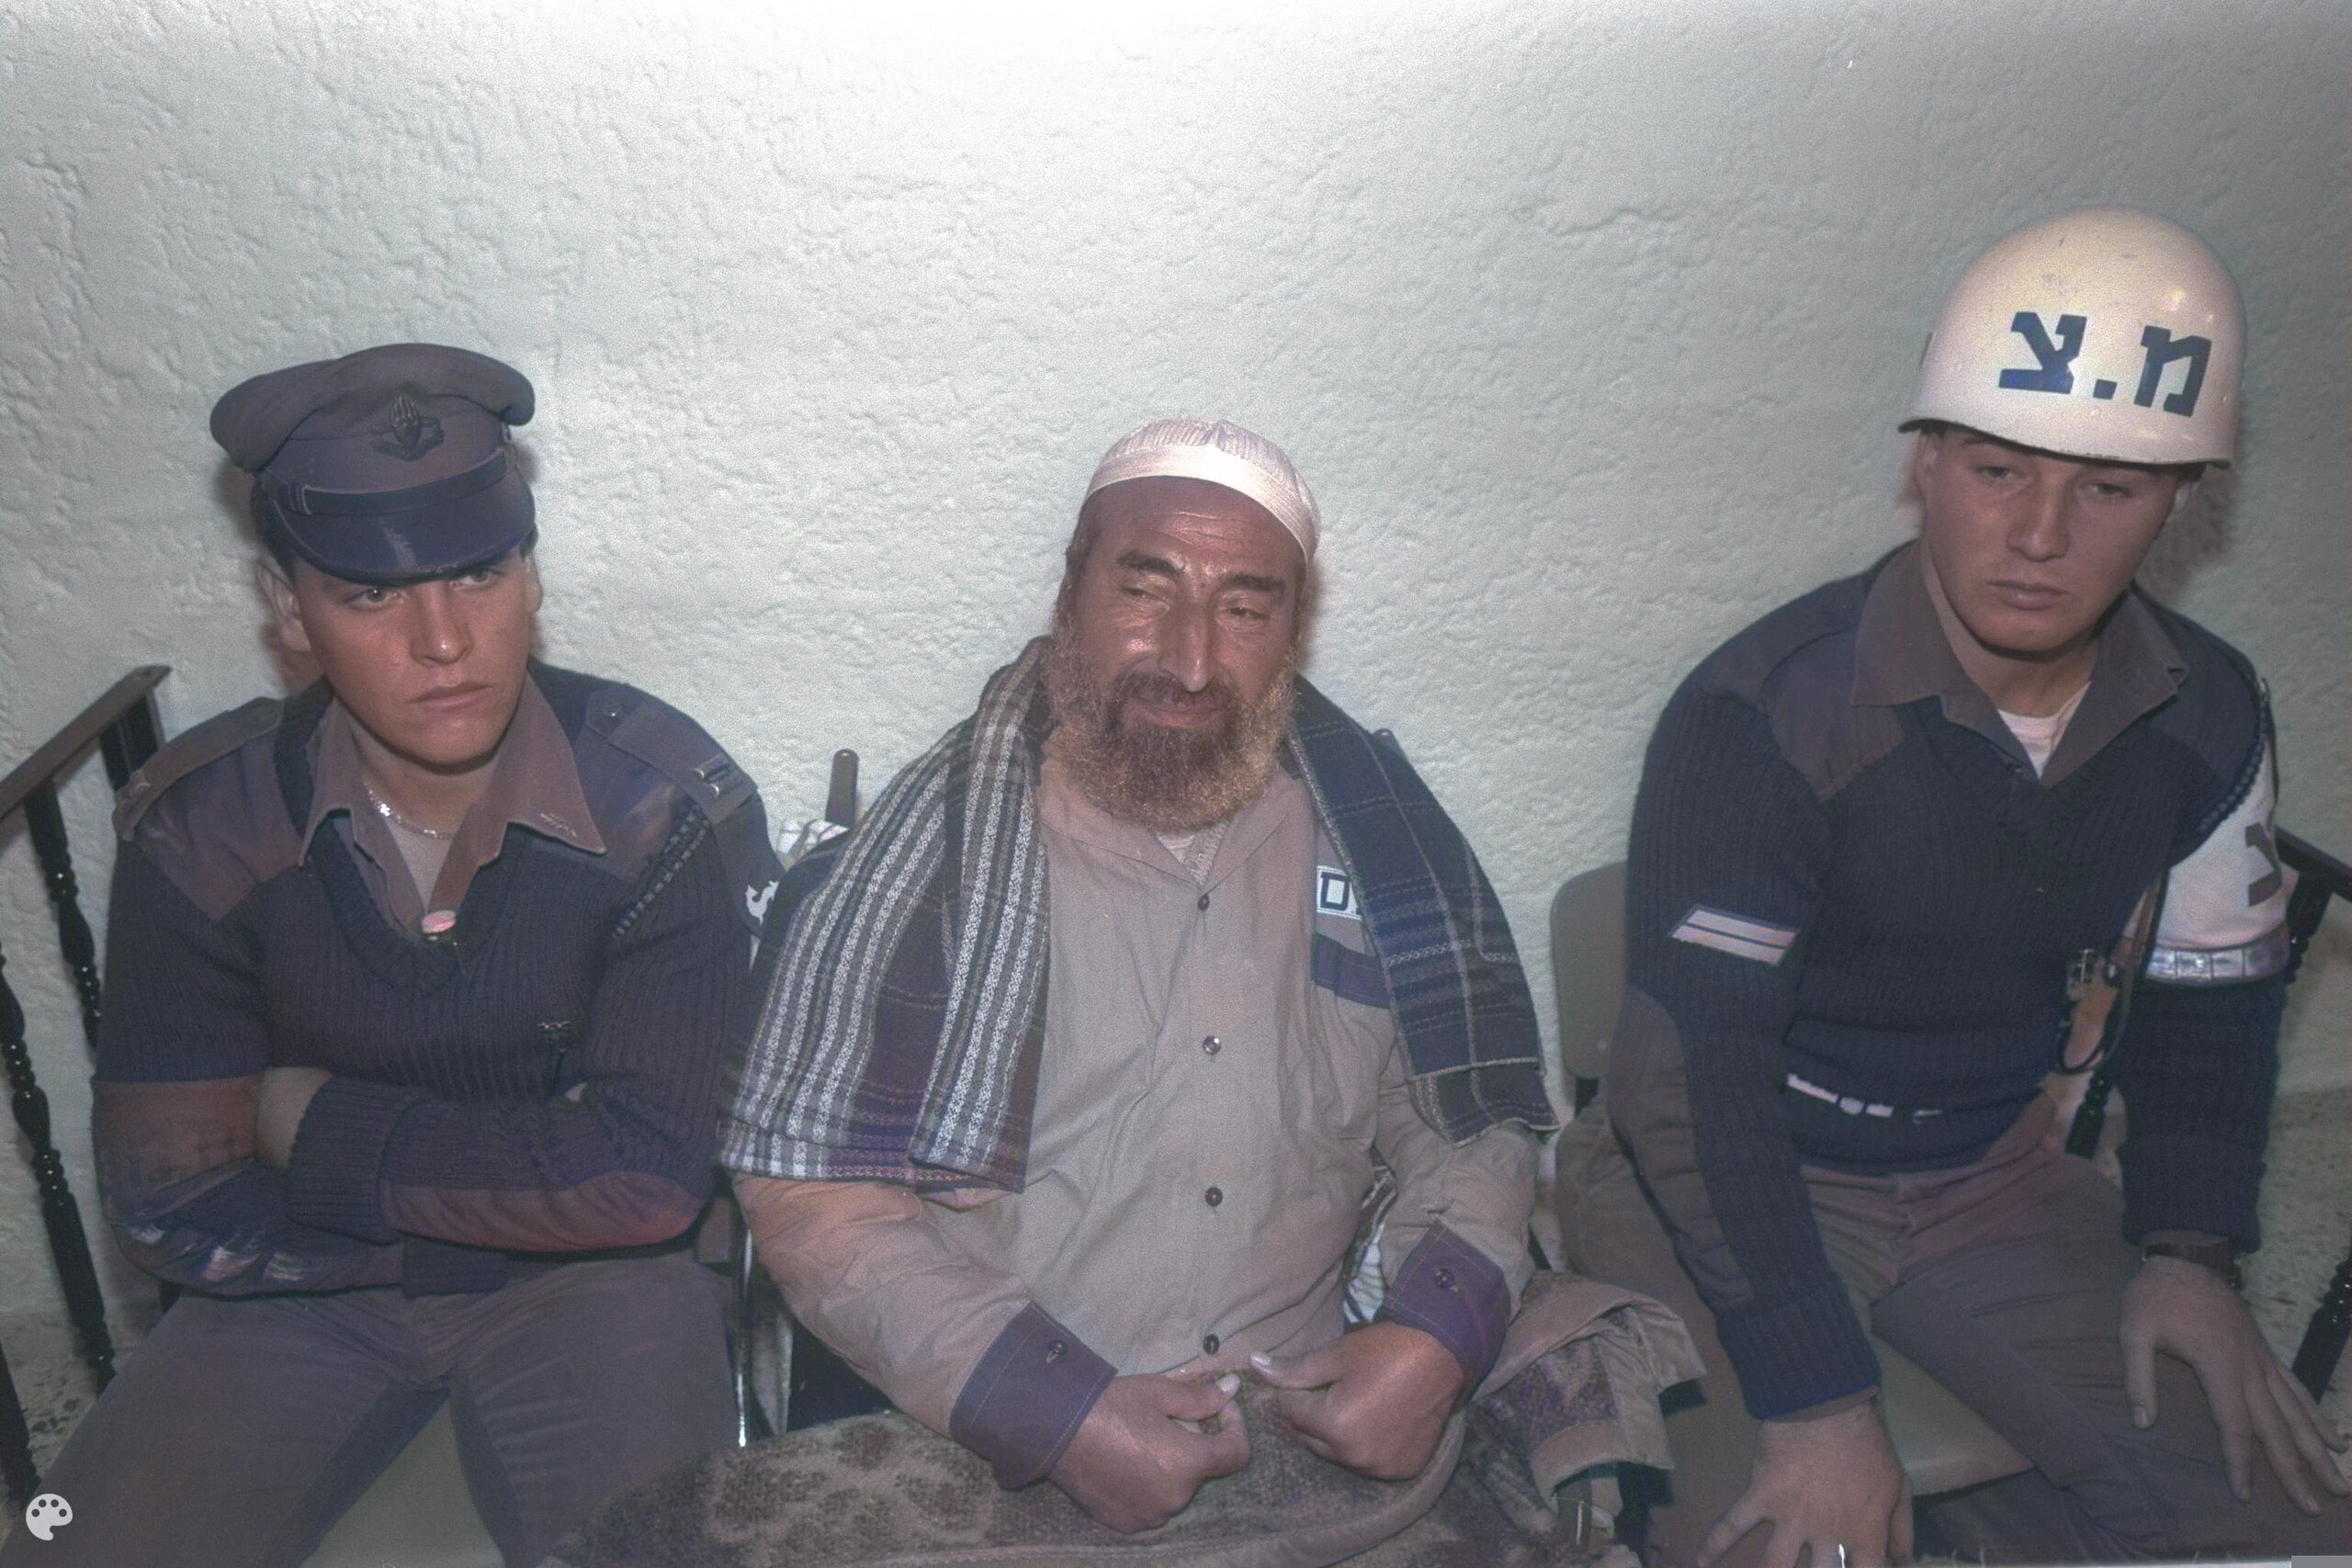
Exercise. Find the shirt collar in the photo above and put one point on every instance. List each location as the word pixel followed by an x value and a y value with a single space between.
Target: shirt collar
pixel 1901 655
pixel 534 783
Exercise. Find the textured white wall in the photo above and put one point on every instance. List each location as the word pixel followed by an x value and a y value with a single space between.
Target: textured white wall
pixel 1590 324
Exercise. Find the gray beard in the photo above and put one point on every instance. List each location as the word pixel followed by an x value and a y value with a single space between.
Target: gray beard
pixel 1167 781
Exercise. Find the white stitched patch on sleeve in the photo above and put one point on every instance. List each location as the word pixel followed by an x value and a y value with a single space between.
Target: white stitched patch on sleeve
pixel 1736 934
pixel 2226 906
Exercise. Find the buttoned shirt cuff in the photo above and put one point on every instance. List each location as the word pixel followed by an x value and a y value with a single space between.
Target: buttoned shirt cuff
pixel 1453 1293
pixel 1026 1399
pixel 335 1180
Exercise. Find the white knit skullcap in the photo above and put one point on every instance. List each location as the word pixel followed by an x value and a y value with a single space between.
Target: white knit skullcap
pixel 1224 454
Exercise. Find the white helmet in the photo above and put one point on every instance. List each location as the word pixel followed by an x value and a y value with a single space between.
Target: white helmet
pixel 2107 333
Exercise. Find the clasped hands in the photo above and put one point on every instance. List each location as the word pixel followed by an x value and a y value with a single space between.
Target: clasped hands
pixel 1375 1403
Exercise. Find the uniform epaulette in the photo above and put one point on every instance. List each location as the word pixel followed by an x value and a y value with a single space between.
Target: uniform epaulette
pixel 673 746
pixel 184 754
pixel 652 732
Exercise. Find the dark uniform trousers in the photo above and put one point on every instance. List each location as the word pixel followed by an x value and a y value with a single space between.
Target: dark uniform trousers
pixel 2004 1281
pixel 240 1430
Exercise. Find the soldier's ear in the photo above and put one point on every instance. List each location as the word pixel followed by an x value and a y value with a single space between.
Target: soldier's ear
pixel 1927 446
pixel 285 606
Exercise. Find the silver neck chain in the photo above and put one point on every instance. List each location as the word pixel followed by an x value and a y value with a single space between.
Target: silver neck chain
pixel 384 810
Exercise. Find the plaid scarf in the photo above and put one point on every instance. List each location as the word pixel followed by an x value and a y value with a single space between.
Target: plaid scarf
pixel 904 1013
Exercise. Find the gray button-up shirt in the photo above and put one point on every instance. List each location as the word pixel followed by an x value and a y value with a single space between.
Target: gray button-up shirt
pixel 1206 1125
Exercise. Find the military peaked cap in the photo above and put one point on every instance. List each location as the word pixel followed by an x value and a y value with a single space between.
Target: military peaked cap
pixel 387 465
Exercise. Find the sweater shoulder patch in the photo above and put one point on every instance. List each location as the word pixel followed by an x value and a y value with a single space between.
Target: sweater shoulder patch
pixel 1743 667
pixel 187 752
pixel 2219 712
pixel 1824 733
pixel 208 811
pixel 1796 665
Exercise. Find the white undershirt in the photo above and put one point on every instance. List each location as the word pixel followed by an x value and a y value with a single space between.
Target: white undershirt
pixel 2040 736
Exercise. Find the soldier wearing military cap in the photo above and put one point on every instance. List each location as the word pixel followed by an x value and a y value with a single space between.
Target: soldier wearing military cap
pixel 419 986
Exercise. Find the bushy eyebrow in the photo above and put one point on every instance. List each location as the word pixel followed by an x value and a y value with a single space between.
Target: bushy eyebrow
pixel 1160 566
pixel 1155 566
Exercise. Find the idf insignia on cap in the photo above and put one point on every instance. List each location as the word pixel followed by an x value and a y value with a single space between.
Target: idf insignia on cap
pixel 413 434
pixel 388 465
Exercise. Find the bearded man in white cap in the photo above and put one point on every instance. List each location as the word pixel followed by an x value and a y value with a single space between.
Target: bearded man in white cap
pixel 1073 1074
pixel 1982 816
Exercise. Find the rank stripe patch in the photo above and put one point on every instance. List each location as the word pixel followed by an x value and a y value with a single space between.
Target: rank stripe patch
pixel 1736 934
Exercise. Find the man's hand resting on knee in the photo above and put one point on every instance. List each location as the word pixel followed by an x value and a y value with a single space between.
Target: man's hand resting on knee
pixel 1147 1446
pixel 2187 1310
pixel 1375 1403
pixel 1828 1482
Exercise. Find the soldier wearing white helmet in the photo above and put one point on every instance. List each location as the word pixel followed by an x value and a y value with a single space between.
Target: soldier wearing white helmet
pixel 2109 334
pixel 1887 841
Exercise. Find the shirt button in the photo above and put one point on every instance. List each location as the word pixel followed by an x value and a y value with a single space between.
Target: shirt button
pixel 1443 1279
pixel 1213 1196
pixel 1056 1351
pixel 1203 902
pixel 1209 1345
pixel 1212 1045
